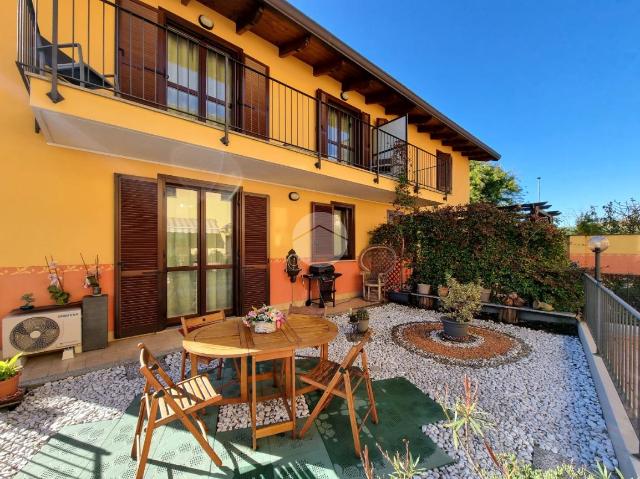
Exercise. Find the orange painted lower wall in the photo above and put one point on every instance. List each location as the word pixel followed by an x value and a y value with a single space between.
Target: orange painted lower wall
pixel 611 263
pixel 14 282
pixel 284 292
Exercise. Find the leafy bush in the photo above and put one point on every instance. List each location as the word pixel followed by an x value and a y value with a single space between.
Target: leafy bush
pixel 462 303
pixel 10 368
pixel 480 242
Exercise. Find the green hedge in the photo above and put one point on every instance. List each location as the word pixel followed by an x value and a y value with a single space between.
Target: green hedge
pixel 499 248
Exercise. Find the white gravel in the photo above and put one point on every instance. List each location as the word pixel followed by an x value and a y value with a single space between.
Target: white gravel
pixel 546 399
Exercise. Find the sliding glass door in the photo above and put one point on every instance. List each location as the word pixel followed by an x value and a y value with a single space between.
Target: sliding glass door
pixel 199 250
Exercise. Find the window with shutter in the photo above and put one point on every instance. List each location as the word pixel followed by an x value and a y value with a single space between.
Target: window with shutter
pixel 332 231
pixel 254 275
pixel 137 274
pixel 444 166
pixel 344 131
pixel 141 57
pixel 255 98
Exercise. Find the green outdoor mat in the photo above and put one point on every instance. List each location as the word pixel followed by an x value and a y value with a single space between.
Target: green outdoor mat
pixel 102 449
pixel 402 409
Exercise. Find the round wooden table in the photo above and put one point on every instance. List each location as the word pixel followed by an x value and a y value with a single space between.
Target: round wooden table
pixel 231 339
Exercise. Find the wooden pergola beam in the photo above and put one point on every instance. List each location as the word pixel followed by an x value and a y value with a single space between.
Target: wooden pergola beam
pixel 248 21
pixel 356 84
pixel 294 46
pixel 328 68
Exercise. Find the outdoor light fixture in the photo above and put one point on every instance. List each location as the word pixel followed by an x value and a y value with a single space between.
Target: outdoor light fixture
pixel 344 95
pixel 598 244
pixel 294 196
pixel 205 22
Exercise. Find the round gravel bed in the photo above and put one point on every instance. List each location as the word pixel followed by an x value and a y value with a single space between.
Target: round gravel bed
pixel 486 348
pixel 543 400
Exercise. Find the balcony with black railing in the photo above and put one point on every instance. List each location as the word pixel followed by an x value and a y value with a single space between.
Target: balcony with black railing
pixel 98 45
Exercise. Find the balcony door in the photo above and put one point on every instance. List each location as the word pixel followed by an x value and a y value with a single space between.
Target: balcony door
pixel 200 249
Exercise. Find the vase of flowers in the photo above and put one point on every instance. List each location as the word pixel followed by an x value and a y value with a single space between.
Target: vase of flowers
pixel 92 276
pixel 266 319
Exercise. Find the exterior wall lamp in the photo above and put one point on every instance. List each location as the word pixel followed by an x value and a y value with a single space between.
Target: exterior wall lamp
pixel 205 22
pixel 294 196
pixel 598 244
pixel 344 95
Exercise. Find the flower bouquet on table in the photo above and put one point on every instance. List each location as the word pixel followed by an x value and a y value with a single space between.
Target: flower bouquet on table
pixel 264 320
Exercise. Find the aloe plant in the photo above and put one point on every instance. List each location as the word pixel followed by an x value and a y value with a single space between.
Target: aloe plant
pixel 10 368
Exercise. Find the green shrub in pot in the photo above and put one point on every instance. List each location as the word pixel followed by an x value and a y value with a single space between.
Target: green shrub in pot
pixel 363 320
pixel 460 306
pixel 9 376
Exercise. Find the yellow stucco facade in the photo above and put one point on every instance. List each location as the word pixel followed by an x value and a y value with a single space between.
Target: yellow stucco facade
pixel 58 196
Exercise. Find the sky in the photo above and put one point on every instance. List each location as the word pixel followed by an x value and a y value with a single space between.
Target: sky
pixel 553 86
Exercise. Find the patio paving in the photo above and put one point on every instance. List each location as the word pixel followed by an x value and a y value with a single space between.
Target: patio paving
pixel 102 449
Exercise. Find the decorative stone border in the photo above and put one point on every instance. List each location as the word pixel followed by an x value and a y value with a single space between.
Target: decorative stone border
pixel 519 351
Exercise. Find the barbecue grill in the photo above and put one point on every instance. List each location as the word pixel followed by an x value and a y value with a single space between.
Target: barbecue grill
pixel 324 274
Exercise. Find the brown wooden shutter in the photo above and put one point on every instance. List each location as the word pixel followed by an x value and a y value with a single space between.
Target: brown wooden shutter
pixel 137 273
pixel 141 53
pixel 443 171
pixel 254 267
pixel 321 231
pixel 323 127
pixel 255 98
pixel 449 170
pixel 365 139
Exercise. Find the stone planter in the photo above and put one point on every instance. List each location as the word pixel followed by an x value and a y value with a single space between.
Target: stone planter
pixel 424 302
pixel 8 387
pixel 454 329
pixel 485 296
pixel 399 297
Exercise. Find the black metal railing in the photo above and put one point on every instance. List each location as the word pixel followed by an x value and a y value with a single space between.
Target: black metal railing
pixel 615 327
pixel 97 44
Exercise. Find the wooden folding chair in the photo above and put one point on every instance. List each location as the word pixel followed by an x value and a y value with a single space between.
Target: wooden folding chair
pixel 191 324
pixel 286 357
pixel 336 380
pixel 164 401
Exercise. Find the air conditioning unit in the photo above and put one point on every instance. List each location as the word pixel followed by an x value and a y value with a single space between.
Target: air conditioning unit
pixel 41 331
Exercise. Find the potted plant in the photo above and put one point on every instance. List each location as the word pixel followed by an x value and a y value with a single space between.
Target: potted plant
pixel 460 307
pixel 363 320
pixel 92 277
pixel 56 286
pixel 9 376
pixel 28 301
pixel 485 295
pixel 264 320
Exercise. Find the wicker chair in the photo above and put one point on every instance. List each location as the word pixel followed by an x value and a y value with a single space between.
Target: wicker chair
pixel 376 262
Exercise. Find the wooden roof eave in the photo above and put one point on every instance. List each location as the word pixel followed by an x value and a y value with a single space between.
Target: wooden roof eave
pixel 369 76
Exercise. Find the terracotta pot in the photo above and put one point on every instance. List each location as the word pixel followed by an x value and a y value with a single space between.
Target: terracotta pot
pixel 9 386
pixel 443 291
pixel 454 329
